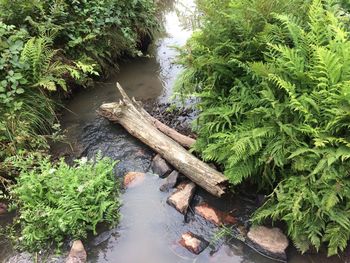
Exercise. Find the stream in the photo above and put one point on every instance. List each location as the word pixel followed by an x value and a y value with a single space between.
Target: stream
pixel 150 229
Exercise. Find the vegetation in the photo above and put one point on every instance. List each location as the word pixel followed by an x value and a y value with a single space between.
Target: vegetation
pixel 28 70
pixel 272 78
pixel 46 48
pixel 57 201
pixel 86 31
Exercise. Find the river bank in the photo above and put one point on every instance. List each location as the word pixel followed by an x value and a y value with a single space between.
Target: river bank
pixel 149 225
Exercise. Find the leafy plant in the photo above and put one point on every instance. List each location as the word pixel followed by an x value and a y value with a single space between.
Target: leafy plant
pixel 28 69
pixel 94 29
pixel 56 201
pixel 272 78
pixel 11 45
pixel 41 70
pixel 306 107
pixel 46 45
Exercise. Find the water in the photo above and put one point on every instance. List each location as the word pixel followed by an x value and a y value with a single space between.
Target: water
pixel 179 21
pixel 150 229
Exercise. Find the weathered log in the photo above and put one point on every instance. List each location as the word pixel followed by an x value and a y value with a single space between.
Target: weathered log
pixel 138 124
pixel 183 140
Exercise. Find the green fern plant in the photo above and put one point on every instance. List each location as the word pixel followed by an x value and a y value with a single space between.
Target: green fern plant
pixel 42 70
pixel 311 78
pixel 273 89
pixel 25 113
pixel 57 201
pixel 99 30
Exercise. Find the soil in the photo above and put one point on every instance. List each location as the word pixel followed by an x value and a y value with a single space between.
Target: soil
pixel 178 118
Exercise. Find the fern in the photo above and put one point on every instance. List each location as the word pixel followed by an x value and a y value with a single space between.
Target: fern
pixel 56 201
pixel 41 69
pixel 273 89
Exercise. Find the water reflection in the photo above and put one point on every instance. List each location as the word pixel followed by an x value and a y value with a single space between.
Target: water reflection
pixel 150 230
pixel 178 27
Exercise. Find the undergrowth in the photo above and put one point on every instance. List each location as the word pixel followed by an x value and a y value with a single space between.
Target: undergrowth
pixel 57 202
pixel 86 31
pixel 29 70
pixel 47 47
pixel 272 78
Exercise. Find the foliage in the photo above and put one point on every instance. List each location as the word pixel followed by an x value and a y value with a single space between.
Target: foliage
pixel 309 85
pixel 218 72
pixel 91 30
pixel 11 46
pixel 273 83
pixel 56 201
pixel 47 46
pixel 28 69
pixel 40 68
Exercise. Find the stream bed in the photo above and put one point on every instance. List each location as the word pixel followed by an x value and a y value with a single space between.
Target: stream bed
pixel 150 229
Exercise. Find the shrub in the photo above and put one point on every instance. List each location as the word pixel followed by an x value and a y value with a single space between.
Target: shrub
pixel 56 201
pixel 86 30
pixel 46 45
pixel 273 83
pixel 218 72
pixel 28 70
pixel 303 119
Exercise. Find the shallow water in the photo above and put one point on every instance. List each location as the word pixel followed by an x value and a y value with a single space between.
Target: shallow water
pixel 149 229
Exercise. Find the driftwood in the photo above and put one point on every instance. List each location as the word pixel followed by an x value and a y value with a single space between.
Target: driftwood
pixel 185 141
pixel 132 117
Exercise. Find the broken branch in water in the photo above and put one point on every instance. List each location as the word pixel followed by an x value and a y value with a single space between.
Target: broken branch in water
pixel 133 118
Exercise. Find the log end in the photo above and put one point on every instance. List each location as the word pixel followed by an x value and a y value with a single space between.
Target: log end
pixel 110 111
pixel 109 106
pixel 221 188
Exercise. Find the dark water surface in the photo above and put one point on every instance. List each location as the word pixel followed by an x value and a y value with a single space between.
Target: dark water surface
pixel 150 229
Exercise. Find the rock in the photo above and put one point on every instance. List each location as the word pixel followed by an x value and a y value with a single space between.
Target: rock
pixel 133 179
pixel 193 243
pixel 160 166
pixel 215 216
pixel 170 181
pixel 23 257
pixel 181 198
pixel 77 253
pixel 269 241
pixel 3 209
pixel 102 237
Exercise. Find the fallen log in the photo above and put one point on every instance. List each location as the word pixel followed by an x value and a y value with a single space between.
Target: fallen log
pixel 127 113
pixel 183 140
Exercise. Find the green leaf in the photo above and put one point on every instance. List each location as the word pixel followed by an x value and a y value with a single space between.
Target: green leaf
pixel 19 91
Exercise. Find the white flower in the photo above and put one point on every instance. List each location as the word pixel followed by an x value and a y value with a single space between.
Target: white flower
pixel 83 160
pixel 80 188
pixel 52 170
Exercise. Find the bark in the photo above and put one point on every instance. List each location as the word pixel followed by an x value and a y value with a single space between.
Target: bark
pixel 183 140
pixel 131 116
